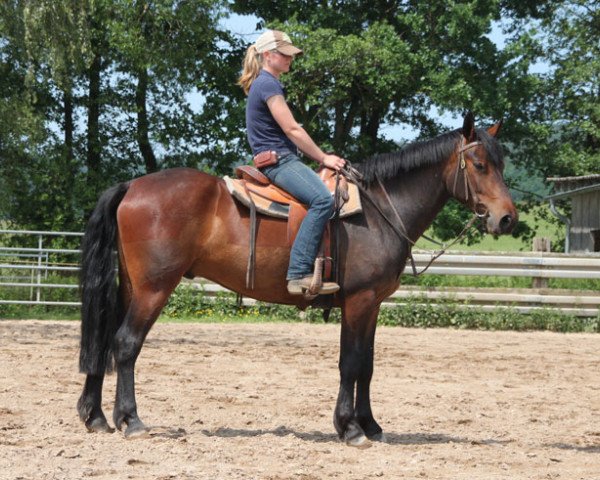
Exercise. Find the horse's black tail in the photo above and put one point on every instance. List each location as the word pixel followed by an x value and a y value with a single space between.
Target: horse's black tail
pixel 100 316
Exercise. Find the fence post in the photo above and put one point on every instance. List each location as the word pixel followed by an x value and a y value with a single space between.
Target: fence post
pixel 38 294
pixel 540 244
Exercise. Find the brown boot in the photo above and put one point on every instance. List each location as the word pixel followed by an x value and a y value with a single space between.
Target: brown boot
pixel 299 285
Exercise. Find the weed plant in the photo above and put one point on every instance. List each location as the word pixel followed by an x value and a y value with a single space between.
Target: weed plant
pixel 189 304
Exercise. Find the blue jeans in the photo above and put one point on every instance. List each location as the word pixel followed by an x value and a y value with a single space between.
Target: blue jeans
pixel 293 176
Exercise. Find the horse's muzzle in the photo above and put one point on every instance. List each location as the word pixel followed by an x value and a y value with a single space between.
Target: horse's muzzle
pixel 499 225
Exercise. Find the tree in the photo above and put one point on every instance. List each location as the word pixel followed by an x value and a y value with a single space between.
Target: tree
pixel 161 47
pixel 370 63
pixel 26 103
pixel 98 91
pixel 107 83
pixel 572 100
pixel 399 62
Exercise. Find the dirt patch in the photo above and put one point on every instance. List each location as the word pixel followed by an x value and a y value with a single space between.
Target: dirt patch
pixel 256 401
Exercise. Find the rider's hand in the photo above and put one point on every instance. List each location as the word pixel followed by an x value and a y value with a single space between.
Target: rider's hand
pixel 333 161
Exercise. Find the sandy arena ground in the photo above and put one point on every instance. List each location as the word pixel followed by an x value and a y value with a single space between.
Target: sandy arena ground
pixel 256 402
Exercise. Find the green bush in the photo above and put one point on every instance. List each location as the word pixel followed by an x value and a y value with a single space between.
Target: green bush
pixel 190 304
pixel 419 312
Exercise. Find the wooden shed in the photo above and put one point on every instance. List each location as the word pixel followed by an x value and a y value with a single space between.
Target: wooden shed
pixel 583 227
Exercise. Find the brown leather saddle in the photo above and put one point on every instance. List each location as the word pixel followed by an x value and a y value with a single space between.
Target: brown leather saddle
pixel 254 190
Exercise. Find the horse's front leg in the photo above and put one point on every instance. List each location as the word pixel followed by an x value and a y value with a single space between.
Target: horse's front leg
pixel 362 411
pixel 354 423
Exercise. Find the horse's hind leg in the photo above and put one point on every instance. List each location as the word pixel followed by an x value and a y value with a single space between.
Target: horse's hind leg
pixel 89 405
pixel 141 315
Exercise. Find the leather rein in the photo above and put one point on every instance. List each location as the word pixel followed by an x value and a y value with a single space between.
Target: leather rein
pixel 354 175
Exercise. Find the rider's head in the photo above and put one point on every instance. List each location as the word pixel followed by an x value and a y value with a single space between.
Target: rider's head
pixel 274 48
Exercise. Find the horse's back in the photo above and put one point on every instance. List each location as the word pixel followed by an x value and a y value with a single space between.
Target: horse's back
pixel 171 193
pixel 181 185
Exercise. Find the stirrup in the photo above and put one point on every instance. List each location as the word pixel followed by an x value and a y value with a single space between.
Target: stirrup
pixel 316 286
pixel 302 286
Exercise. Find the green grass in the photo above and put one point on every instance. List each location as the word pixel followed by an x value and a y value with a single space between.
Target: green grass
pixel 190 305
pixel 536 220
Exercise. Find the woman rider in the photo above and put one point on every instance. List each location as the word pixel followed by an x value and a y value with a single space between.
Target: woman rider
pixel 271 127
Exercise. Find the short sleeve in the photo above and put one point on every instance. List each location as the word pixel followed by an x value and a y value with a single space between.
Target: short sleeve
pixel 270 88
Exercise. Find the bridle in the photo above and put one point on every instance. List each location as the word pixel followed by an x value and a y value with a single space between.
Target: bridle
pixel 356 177
pixel 461 166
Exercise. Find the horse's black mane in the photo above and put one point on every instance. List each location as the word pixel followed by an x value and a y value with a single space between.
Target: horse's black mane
pixel 421 154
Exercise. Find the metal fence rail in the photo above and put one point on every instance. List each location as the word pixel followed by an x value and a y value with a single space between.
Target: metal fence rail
pixel 583 303
pixel 28 267
pixel 531 264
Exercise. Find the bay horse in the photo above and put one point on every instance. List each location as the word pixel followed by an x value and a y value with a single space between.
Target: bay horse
pixel 182 222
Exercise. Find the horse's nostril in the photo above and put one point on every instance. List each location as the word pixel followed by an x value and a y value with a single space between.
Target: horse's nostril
pixel 506 222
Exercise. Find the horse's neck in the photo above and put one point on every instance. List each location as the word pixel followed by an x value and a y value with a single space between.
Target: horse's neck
pixel 418 197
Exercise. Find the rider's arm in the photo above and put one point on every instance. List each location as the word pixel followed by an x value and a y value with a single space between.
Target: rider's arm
pixel 284 118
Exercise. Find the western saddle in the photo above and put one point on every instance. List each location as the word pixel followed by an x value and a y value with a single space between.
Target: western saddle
pixel 254 190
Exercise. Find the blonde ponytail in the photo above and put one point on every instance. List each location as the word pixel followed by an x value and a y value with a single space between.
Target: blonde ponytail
pixel 251 68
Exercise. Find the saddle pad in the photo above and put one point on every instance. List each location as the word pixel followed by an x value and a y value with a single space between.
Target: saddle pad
pixel 281 209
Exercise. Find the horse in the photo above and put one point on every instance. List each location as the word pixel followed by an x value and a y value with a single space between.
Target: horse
pixel 184 223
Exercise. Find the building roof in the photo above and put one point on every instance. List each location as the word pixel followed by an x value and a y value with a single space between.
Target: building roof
pixel 571 186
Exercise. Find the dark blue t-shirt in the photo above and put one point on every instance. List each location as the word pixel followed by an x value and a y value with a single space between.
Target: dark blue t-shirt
pixel 264 133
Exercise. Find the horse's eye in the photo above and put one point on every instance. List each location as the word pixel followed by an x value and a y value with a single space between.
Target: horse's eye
pixel 479 166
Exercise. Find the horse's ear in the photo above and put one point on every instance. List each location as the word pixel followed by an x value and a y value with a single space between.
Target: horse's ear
pixel 494 130
pixel 468 129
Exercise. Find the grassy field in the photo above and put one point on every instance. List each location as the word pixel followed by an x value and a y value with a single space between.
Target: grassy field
pixel 507 243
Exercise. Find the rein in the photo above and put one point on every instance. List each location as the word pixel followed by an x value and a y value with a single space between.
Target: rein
pixel 354 175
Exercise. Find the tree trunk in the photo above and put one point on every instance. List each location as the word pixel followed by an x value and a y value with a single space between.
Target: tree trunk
pixel 344 123
pixel 369 128
pixel 68 125
pixel 93 121
pixel 143 137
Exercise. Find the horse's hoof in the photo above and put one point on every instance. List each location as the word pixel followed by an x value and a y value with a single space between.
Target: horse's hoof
pixel 359 441
pixel 355 436
pixel 137 430
pixel 98 425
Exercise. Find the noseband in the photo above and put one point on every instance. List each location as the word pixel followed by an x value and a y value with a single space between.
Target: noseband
pixel 461 166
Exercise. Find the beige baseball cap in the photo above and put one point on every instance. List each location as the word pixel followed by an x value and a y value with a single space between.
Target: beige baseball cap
pixel 276 40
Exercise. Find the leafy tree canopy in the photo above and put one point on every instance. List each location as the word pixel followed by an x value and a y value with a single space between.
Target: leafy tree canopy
pixel 98 91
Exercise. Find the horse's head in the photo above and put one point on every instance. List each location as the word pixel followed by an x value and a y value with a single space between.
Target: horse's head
pixel 474 177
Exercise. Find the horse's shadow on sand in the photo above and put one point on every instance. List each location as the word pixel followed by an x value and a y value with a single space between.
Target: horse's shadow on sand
pixel 577 448
pixel 418 438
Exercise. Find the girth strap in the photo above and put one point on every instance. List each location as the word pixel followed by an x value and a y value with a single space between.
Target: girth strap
pixel 251 268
